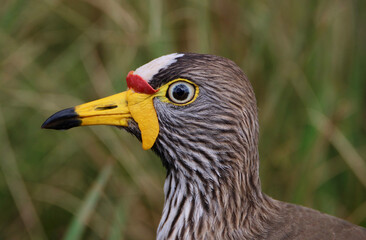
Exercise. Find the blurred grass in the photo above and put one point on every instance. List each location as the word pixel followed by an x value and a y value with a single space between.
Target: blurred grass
pixel 306 61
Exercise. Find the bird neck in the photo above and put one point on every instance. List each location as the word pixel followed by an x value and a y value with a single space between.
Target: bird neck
pixel 198 209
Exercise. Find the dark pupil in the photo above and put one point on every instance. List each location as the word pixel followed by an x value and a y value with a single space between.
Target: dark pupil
pixel 180 92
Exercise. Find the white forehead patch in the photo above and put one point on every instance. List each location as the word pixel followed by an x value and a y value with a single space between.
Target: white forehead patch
pixel 151 68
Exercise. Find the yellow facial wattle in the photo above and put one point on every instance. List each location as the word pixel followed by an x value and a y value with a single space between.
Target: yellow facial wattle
pixel 142 110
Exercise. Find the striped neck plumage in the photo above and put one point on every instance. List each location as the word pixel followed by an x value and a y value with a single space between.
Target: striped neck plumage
pixel 214 209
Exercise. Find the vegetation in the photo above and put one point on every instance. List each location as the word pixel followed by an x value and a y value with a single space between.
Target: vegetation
pixel 305 59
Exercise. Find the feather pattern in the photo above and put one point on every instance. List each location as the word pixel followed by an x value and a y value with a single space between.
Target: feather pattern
pixel 210 151
pixel 212 190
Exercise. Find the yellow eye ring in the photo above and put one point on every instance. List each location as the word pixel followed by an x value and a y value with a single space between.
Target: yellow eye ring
pixel 179 92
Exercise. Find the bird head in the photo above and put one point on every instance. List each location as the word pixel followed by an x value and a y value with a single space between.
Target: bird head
pixel 193 110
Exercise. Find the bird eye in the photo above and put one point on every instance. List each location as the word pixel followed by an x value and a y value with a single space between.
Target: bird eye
pixel 181 92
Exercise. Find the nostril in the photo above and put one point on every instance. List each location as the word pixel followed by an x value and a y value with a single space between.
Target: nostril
pixel 105 107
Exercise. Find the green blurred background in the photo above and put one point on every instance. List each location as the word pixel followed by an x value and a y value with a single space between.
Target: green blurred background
pixel 305 59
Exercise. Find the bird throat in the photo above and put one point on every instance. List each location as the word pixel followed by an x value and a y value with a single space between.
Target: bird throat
pixel 193 210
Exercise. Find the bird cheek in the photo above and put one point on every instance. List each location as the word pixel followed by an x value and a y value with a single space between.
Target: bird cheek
pixel 142 110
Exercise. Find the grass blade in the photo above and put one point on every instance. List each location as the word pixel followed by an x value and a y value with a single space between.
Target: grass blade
pixel 77 226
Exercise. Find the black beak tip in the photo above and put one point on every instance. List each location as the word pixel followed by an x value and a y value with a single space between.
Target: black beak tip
pixel 62 120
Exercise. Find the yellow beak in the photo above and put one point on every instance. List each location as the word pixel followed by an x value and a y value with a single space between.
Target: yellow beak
pixel 114 110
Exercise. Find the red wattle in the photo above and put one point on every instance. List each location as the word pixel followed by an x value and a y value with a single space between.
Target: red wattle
pixel 138 84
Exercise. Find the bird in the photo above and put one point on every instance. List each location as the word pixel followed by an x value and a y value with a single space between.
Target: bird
pixel 198 113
